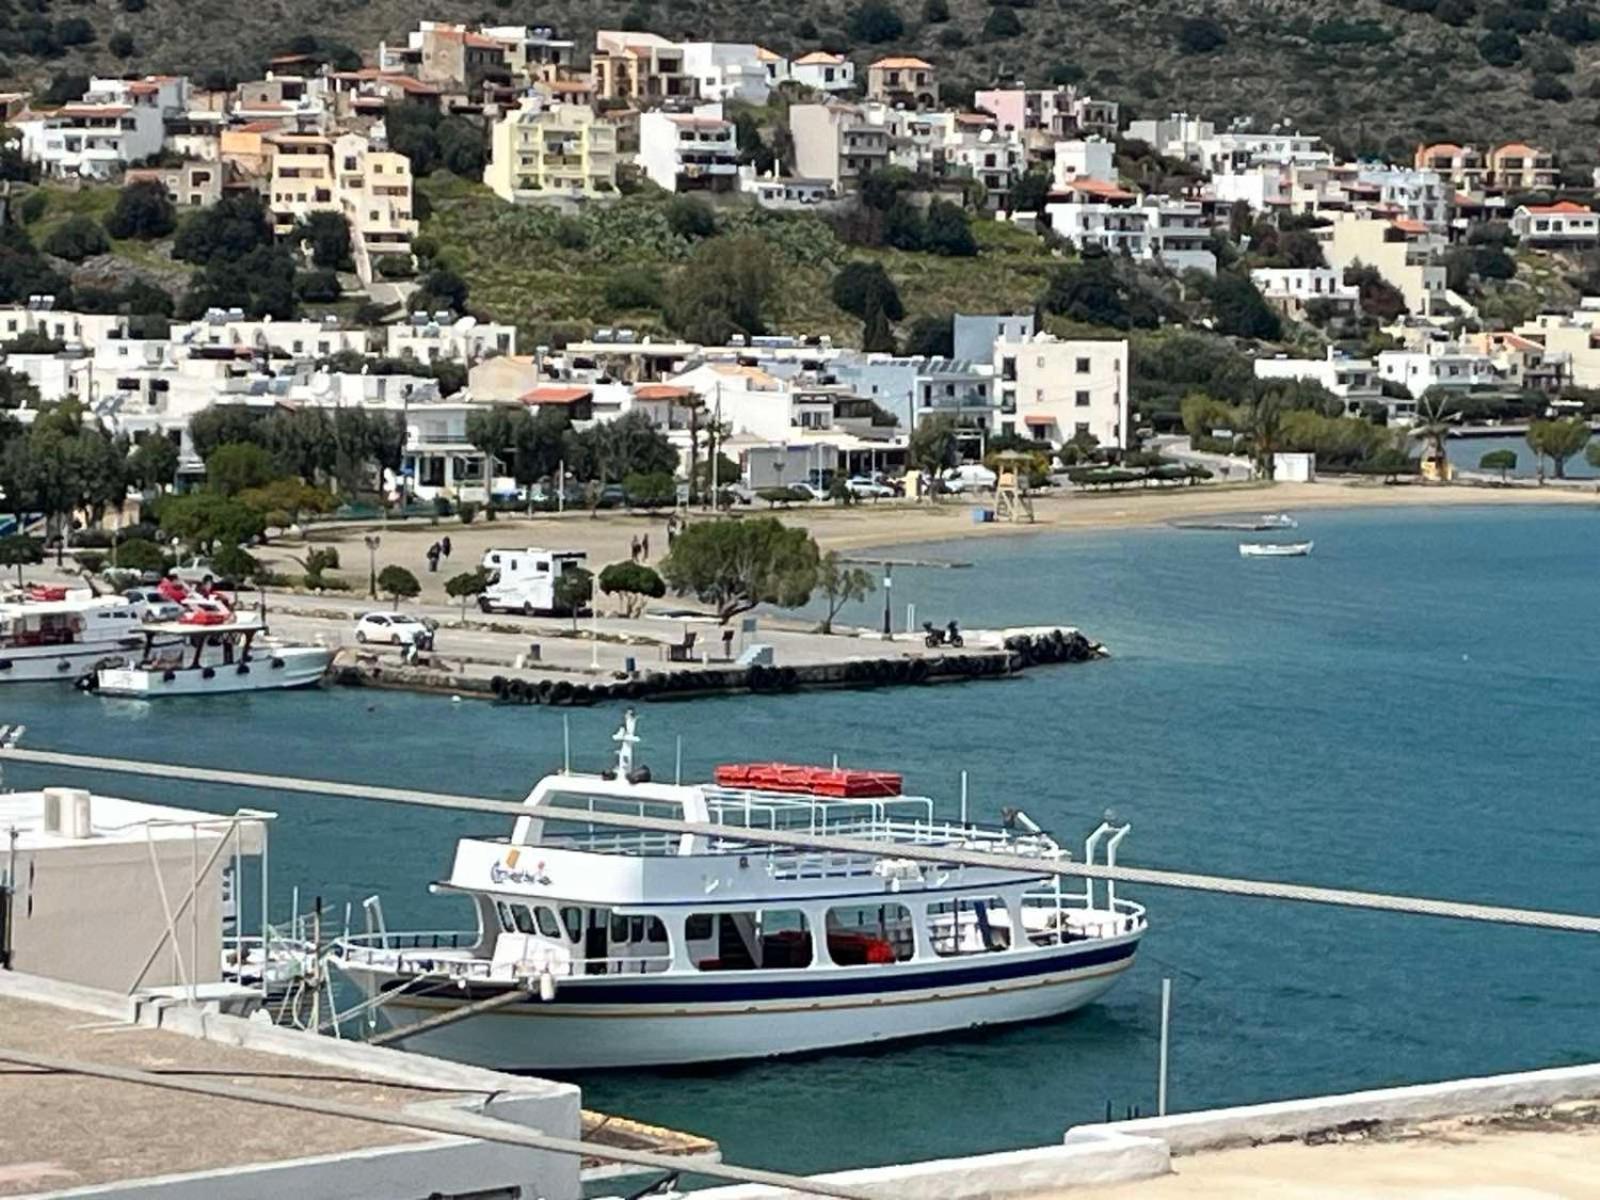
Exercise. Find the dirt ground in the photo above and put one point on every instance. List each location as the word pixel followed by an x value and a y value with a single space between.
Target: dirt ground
pixel 607 536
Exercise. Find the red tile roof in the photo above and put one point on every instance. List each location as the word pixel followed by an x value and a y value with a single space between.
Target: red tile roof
pixel 661 391
pixel 902 63
pixel 553 394
pixel 1097 187
pixel 1408 225
pixel 1561 206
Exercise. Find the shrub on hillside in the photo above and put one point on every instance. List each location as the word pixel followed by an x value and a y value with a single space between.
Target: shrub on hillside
pixel 875 21
pixel 78 238
pixel 143 210
pixel 1201 35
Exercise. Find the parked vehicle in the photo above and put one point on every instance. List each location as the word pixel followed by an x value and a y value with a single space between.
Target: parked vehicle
pixel 525 580
pixel 154 606
pixel 950 635
pixel 812 490
pixel 969 477
pixel 864 487
pixel 394 629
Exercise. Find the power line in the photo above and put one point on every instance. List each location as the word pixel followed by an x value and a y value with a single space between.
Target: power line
pixel 469 1125
pixel 937 855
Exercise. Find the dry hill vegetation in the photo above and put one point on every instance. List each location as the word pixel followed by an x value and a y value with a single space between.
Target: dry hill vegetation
pixel 1371 75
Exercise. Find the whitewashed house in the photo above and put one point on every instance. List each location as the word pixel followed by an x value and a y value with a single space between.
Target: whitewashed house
pixel 685 152
pixel 1054 389
pixel 824 71
pixel 1176 233
pixel 1292 289
pixel 1563 223
pixel 117 123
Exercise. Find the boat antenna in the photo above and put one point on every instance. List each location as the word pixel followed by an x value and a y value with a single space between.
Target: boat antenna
pixel 566 744
pixel 626 739
pixel 677 772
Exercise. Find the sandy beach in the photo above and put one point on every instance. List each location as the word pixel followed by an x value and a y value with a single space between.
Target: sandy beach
pixel 607 536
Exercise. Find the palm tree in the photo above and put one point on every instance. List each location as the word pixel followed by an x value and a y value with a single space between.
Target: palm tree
pixel 1435 417
pixel 1264 419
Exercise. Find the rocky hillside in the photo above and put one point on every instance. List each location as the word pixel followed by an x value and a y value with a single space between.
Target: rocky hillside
pixel 1372 76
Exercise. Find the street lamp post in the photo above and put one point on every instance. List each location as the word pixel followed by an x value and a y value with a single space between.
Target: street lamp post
pixel 373 542
pixel 888 585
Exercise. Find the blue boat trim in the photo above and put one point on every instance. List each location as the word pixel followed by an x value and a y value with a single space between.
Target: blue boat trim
pixel 735 986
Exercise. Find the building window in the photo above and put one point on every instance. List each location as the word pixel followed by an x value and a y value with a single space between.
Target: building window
pixel 1083 366
pixel 1081 400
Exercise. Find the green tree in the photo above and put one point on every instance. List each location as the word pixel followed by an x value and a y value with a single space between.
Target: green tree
pixel 77 238
pixel 726 287
pixel 205 520
pixel 237 466
pixel 1504 461
pixel 143 210
pixel 932 447
pixel 691 218
pixel 1240 309
pixel 141 555
pixel 1264 422
pixel 932 337
pixel 875 21
pixel 651 489
pixel 948 231
pixel 465 586
pixel 19 550
pixel 282 502
pixel 398 583
pixel 235 565
pixel 861 287
pixel 1029 193
pixel 935 12
pixel 1558 440
pixel 1092 291
pixel 840 583
pixel 1201 35
pixel 328 235
pixel 1001 23
pixel 152 463
pixel 573 590
pixel 633 584
pixel 633 287
pixel 736 565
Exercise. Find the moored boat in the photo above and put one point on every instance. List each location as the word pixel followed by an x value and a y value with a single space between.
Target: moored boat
pixel 1275 549
pixel 212 650
pixel 53 633
pixel 599 947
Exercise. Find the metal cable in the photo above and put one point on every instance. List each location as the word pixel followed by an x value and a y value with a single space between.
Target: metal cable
pixel 942 855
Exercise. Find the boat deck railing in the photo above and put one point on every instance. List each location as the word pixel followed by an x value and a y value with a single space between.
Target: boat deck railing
pixel 408 953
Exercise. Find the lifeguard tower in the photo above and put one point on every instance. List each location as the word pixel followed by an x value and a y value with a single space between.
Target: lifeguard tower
pixel 1011 500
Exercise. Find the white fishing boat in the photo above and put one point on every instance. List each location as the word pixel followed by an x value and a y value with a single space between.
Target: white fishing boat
pixel 597 947
pixel 52 633
pixel 1279 521
pixel 212 650
pixel 1275 549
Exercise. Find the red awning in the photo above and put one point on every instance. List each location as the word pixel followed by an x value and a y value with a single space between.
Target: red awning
pixel 1038 419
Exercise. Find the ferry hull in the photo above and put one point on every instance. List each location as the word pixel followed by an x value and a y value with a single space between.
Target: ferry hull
pixel 569 1033
pixel 300 668
pixel 58 664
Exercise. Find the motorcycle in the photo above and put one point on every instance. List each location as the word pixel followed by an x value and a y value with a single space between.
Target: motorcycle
pixel 950 635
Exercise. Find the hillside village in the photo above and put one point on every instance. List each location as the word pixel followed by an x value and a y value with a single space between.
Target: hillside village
pixel 811 263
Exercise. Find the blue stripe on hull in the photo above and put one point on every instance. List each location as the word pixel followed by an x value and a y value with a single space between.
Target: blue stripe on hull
pixel 733 987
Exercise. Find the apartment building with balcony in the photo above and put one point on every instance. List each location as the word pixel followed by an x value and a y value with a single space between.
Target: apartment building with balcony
pixel 116 123
pixel 370 187
pixel 1439 364
pixel 1563 223
pixel 1409 193
pixel 465 340
pixel 543 149
pixel 1084 158
pixel 1091 212
pixel 534 53
pixel 1293 290
pixel 1405 253
pixel 903 81
pixel 837 142
pixel 969 145
pixel 639 68
pixel 1054 389
pixel 1519 167
pixel 1573 336
pixel 1354 380
pixel 824 72
pixel 686 152
pixel 456 58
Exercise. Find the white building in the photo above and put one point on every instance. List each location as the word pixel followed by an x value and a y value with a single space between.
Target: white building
pixel 689 151
pixel 1085 158
pixel 1190 139
pixel 1564 223
pixel 1353 380
pixel 1055 390
pixel 1176 233
pixel 1411 194
pixel 118 122
pixel 772 191
pixel 751 401
pixel 824 71
pixel 1442 365
pixel 1292 289
pixel 729 71
pixel 464 340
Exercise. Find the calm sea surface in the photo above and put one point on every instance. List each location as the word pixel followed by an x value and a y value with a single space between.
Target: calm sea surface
pixel 1412 709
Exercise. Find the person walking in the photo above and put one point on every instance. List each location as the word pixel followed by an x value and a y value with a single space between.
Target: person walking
pixel 633 549
pixel 644 548
pixel 433 557
pixel 444 546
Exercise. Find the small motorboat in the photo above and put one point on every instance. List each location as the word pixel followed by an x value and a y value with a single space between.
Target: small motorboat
pixel 1275 549
pixel 1279 521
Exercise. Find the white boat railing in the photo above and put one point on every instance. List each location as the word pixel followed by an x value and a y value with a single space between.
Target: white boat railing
pixel 358 949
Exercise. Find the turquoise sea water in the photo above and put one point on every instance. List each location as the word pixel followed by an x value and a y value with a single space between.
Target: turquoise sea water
pixel 1410 709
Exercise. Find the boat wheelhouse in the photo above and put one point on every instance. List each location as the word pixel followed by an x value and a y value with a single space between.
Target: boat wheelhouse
pixel 603 947
pixel 56 634
pixel 211 650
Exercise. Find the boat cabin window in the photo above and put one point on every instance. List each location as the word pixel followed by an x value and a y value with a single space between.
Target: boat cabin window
pixel 870 933
pixel 969 925
pixel 548 925
pixel 503 911
pixel 523 918
pixel 769 939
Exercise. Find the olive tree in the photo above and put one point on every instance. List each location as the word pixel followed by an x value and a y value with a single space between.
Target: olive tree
pixel 632 583
pixel 840 583
pixel 736 565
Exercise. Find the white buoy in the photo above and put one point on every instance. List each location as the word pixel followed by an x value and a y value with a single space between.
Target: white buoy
pixel 455 699
pixel 547 986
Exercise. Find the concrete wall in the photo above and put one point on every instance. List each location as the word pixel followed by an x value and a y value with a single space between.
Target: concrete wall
pixel 90 914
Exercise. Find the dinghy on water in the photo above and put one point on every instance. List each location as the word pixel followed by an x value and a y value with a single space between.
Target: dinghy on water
pixel 1275 549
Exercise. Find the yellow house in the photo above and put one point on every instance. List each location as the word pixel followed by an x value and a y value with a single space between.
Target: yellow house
pixel 370 187
pixel 544 149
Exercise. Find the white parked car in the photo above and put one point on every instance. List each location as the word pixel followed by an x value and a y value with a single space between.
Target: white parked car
pixel 394 629
pixel 814 491
pixel 863 488
pixel 970 477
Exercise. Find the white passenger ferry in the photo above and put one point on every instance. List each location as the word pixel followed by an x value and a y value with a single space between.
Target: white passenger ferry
pixel 56 634
pixel 600 947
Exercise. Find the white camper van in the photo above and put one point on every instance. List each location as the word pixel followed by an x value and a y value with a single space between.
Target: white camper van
pixel 524 581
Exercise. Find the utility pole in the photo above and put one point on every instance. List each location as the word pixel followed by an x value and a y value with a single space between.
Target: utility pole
pixel 373 541
pixel 888 584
